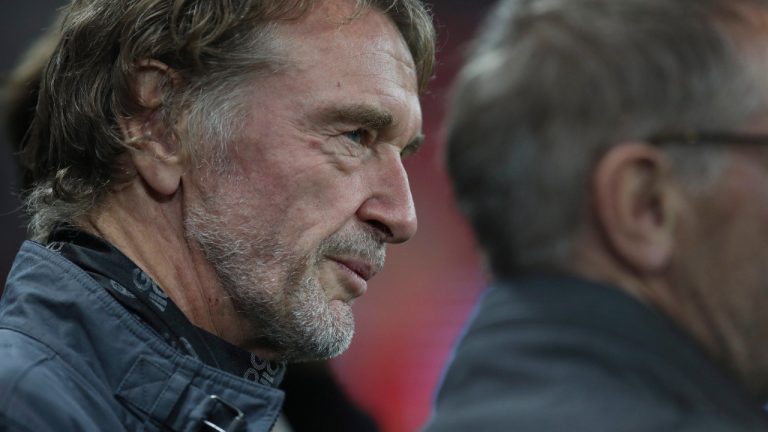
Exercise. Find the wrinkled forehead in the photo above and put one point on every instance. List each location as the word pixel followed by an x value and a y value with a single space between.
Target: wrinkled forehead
pixel 338 34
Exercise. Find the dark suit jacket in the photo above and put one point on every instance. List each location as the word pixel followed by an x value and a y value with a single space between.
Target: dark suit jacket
pixel 558 354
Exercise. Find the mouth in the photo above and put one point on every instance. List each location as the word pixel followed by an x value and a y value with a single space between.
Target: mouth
pixel 362 269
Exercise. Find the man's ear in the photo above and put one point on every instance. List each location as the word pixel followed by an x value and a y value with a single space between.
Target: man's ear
pixel 156 152
pixel 635 205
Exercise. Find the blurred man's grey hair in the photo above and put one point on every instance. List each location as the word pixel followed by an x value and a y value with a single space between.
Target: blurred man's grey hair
pixel 556 83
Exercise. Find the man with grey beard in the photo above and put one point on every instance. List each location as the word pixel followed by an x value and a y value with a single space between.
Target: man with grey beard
pixel 213 185
pixel 612 158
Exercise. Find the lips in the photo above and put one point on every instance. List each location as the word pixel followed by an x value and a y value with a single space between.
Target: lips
pixel 363 269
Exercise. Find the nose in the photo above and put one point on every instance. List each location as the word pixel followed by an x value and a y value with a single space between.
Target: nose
pixel 389 206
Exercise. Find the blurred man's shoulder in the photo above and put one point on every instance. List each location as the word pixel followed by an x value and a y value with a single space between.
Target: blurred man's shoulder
pixel 553 354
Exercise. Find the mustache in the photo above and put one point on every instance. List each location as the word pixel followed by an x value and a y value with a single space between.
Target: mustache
pixel 362 244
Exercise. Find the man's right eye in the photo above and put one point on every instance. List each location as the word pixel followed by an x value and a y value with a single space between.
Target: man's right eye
pixel 359 136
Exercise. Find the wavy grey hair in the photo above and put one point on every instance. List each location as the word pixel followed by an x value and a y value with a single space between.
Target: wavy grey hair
pixel 74 150
pixel 552 84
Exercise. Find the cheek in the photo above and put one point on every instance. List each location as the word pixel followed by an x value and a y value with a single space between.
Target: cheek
pixel 735 235
pixel 325 205
pixel 307 207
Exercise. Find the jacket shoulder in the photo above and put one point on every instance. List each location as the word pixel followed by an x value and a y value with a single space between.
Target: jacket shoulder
pixel 539 362
pixel 38 391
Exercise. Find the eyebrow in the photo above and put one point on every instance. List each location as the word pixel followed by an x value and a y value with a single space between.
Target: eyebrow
pixel 369 117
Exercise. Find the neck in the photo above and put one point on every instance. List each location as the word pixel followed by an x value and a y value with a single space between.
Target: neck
pixel 150 231
pixel 592 259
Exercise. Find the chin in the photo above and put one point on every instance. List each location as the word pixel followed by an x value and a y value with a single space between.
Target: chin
pixel 314 328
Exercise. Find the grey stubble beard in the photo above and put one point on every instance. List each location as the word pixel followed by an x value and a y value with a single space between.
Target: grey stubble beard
pixel 277 292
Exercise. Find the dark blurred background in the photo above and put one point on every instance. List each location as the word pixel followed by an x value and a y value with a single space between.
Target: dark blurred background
pixel 415 309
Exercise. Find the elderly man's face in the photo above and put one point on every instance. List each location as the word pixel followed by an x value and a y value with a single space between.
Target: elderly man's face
pixel 317 185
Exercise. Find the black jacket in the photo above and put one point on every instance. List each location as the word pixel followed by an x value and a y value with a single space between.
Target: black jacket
pixel 556 354
pixel 74 359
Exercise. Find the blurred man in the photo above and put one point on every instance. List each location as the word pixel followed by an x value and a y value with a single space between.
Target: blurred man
pixel 214 183
pixel 612 156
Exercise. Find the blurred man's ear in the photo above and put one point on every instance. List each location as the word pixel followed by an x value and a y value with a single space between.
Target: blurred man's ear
pixel 156 152
pixel 635 205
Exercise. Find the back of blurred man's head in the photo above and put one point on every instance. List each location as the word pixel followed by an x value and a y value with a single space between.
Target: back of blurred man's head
pixel 625 141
